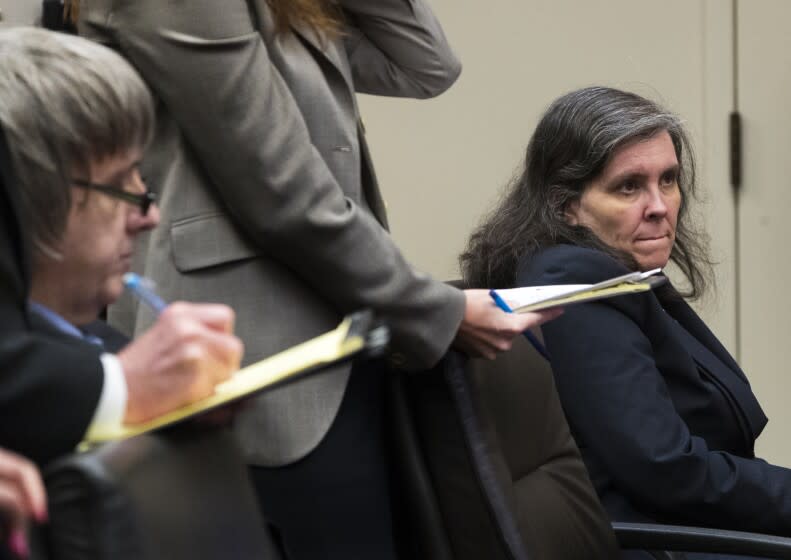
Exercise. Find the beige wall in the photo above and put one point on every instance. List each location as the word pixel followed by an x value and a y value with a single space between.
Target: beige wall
pixel 442 162
pixel 19 12
pixel 765 102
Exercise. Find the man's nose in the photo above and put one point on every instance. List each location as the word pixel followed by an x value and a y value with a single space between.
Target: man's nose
pixel 139 222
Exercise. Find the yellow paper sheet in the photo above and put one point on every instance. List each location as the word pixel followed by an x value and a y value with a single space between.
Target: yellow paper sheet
pixel 323 350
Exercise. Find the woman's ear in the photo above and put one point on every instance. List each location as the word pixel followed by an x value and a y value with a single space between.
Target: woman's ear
pixel 571 213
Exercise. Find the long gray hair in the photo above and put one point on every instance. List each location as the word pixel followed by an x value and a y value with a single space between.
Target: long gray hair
pixel 66 103
pixel 571 145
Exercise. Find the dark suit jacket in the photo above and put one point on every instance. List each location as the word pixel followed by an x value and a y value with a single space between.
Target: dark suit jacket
pixel 49 384
pixel 664 417
pixel 112 339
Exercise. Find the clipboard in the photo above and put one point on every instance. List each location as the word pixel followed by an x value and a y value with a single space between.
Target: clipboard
pixel 356 335
pixel 536 298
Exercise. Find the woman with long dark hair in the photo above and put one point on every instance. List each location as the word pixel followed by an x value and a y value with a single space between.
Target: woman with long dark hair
pixel 569 148
pixel 664 417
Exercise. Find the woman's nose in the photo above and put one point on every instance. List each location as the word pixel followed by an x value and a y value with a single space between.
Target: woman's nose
pixel 656 206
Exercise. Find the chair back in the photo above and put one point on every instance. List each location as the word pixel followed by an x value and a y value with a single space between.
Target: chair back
pixel 489 462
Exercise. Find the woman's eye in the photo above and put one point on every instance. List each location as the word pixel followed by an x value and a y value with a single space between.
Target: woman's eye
pixel 669 179
pixel 627 187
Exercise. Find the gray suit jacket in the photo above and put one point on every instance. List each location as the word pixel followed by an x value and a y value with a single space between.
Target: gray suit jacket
pixel 268 196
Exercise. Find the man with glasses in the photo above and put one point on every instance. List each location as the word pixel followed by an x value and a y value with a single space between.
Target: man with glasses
pixel 77 120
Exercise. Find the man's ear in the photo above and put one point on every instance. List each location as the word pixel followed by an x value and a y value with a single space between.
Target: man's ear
pixel 571 213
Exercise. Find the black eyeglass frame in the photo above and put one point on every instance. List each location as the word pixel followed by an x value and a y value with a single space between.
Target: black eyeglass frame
pixel 143 200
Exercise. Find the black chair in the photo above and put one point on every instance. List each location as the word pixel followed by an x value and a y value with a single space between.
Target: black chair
pixel 488 469
pixel 177 494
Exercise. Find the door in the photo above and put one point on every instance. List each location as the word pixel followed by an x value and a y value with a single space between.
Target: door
pixel 764 101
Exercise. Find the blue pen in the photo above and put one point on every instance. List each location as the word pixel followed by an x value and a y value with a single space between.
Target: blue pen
pixel 143 289
pixel 528 335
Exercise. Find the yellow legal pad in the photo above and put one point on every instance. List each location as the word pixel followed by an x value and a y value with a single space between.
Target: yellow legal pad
pixel 352 336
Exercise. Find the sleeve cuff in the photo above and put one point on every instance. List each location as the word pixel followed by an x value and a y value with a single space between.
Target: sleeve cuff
pixel 110 410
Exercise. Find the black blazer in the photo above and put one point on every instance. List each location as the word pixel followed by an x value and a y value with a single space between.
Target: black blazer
pixel 49 383
pixel 665 419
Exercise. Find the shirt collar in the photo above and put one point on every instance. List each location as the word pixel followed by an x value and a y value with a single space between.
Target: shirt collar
pixel 54 319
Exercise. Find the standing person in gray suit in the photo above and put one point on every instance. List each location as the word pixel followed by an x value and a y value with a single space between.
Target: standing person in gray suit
pixel 270 204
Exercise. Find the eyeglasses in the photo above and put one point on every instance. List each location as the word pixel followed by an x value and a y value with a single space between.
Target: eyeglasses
pixel 143 201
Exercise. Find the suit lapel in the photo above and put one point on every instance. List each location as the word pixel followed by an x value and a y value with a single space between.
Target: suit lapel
pixel 711 357
pixel 687 318
pixel 329 50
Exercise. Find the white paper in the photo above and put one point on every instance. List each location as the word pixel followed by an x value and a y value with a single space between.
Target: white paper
pixel 519 297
